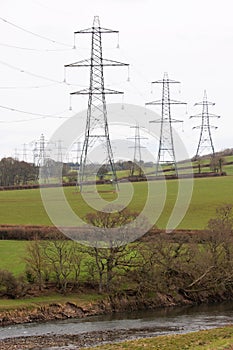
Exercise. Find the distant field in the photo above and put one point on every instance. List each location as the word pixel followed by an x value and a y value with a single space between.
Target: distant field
pixel 204 163
pixel 24 207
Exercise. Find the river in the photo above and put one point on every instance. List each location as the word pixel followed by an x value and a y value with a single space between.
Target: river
pixel 132 325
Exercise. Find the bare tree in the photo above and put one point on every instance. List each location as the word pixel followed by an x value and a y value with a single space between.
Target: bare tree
pixel 111 254
pixel 220 232
pixel 57 258
pixel 216 164
pixel 35 263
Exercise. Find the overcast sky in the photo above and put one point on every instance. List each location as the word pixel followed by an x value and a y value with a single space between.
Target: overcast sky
pixel 191 40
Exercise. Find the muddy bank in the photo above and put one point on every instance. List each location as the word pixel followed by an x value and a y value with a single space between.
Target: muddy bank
pixel 114 303
pixel 53 311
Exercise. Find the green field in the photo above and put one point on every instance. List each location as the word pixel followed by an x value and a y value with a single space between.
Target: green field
pixel 25 207
pixel 12 254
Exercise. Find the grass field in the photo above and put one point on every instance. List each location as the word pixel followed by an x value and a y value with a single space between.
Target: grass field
pixel 22 207
pixel 12 254
pixel 25 207
pixel 214 339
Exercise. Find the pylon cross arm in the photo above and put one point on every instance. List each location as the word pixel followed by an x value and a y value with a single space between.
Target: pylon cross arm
pixel 93 30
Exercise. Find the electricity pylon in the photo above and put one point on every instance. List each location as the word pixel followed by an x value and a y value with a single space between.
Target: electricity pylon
pixel 77 150
pixel 41 158
pixel 59 151
pixel 24 152
pixel 96 123
pixel 205 140
pixel 35 153
pixel 166 152
pixel 137 157
pixel 41 152
pixel 16 156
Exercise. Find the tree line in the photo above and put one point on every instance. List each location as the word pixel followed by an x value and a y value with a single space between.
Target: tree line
pixel 14 172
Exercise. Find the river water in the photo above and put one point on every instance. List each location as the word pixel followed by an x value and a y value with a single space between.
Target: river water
pixel 141 323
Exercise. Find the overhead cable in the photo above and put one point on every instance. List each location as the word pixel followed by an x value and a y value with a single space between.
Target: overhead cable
pixel 26 87
pixel 36 75
pixel 32 33
pixel 35 49
pixel 29 113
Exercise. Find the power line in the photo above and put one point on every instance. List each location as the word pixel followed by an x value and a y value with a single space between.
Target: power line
pixel 32 33
pixel 29 73
pixel 26 87
pixel 42 116
pixel 21 120
pixel 21 70
pixel 34 49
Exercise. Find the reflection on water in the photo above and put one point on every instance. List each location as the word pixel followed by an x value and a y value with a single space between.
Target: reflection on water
pixel 161 321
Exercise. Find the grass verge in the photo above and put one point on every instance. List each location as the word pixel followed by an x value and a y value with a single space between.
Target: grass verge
pixel 30 303
pixel 214 339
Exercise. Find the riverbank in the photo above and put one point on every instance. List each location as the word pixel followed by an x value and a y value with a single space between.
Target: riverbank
pixel 84 306
pixel 213 339
pixel 99 330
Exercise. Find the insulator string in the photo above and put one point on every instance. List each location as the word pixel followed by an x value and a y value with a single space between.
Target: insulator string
pixel 123 102
pixel 74 46
pixel 118 40
pixel 70 106
pixel 128 79
pixel 64 75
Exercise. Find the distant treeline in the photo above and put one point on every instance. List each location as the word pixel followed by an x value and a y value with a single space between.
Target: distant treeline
pixel 14 172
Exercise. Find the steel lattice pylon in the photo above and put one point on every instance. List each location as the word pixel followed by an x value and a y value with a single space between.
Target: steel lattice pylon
pixel 166 152
pixel 96 123
pixel 137 157
pixel 205 140
pixel 41 154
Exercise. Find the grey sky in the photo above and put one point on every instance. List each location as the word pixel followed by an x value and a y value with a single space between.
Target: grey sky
pixel 191 40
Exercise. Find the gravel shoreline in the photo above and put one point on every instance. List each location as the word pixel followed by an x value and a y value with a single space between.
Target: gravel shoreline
pixel 78 341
